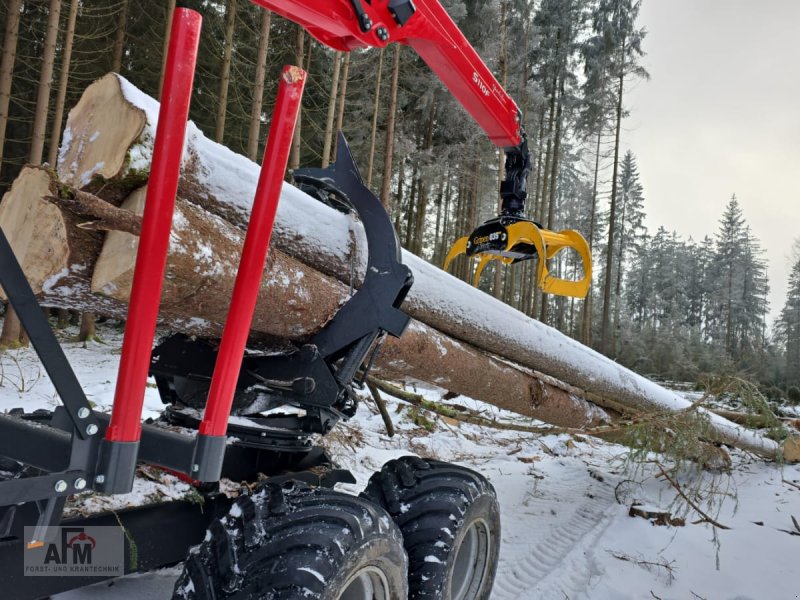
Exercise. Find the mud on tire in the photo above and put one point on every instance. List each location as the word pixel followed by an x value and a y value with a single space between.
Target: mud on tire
pixel 293 542
pixel 450 522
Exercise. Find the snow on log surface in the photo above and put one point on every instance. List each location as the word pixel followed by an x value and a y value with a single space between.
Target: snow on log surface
pixel 334 243
pixel 294 300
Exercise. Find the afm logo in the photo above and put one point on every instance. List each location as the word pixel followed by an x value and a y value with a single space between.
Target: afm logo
pixel 76 548
pixel 80 551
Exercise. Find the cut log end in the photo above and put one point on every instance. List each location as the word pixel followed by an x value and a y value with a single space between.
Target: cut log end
pixel 100 131
pixel 791 450
pixel 35 228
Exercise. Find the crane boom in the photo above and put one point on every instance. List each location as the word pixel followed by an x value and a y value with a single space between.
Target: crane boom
pixel 425 26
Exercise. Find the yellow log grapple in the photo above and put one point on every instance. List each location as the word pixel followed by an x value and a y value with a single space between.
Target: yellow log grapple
pixel 511 239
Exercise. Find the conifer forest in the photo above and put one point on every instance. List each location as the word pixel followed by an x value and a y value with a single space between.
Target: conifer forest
pixel 663 304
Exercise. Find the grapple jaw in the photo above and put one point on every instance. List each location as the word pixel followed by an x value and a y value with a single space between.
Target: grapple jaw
pixel 512 239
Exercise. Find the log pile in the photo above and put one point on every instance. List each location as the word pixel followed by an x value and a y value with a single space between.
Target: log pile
pixel 82 254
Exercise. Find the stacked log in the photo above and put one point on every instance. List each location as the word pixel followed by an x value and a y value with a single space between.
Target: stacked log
pixel 317 255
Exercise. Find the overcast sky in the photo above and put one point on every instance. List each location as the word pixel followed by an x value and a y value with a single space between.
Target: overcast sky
pixel 721 115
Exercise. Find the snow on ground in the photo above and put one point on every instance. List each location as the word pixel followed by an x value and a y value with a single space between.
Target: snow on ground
pixel 564 501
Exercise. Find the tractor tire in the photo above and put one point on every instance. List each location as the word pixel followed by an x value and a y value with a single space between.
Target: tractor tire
pixel 450 522
pixel 294 542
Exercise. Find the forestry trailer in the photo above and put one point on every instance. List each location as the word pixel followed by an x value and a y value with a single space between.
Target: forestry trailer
pixel 421 528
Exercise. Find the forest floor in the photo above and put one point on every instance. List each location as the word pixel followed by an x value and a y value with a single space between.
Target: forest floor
pixel 565 500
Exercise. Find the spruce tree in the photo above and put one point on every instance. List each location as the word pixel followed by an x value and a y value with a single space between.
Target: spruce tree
pixel 788 329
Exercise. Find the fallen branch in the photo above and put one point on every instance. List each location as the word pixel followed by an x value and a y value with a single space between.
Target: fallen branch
pixel 706 518
pixel 88 206
pixel 387 419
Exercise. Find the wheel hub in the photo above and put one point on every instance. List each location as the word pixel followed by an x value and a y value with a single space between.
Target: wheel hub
pixel 471 562
pixel 368 583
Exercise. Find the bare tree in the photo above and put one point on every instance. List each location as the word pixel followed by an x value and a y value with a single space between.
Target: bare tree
pixel 375 109
pixel 66 59
pixel 45 84
pixel 388 154
pixel 225 74
pixel 294 155
pixel 165 46
pixel 326 144
pixel 119 36
pixel 342 98
pixel 7 65
pixel 258 87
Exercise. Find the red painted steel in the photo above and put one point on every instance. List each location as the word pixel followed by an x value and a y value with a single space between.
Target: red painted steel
pixel 126 416
pixel 254 253
pixel 435 37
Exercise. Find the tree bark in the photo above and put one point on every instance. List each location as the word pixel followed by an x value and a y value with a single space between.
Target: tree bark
pixel 258 87
pixel 87 331
pixel 119 37
pixel 326 143
pixel 45 84
pixel 586 326
pixel 225 74
pixel 551 200
pixel 66 59
pixel 375 106
pixel 165 45
pixel 7 65
pixel 330 242
pixel 388 153
pixel 294 155
pixel 604 326
pixel 342 99
pixel 294 300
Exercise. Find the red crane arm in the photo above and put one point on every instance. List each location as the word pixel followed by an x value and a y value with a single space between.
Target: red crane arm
pixel 425 26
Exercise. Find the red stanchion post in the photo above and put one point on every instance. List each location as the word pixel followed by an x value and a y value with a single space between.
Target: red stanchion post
pixel 125 425
pixel 211 440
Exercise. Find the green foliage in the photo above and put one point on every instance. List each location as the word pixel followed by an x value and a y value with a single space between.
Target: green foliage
pixel 794 394
pixel 680 438
pixel 746 396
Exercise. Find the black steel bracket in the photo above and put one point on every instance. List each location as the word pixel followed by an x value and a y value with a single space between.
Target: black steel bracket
pixel 513 189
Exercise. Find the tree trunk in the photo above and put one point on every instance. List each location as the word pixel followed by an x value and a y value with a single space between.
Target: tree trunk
pixel 327 241
pixel 586 326
pixel 66 59
pixel 165 45
pixel 375 106
pixel 253 135
pixel 225 74
pixel 551 200
pixel 342 98
pixel 119 37
pixel 618 283
pixel 412 202
pixel 7 66
pixel 12 330
pixel 391 116
pixel 422 197
pixel 611 226
pixel 294 155
pixel 327 142
pixel 87 330
pixel 45 84
pixel 294 300
pixel 496 288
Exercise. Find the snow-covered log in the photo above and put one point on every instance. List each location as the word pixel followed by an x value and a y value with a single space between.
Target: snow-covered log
pixel 113 114
pixel 294 302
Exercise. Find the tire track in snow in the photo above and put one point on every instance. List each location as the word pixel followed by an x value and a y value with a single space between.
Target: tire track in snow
pixel 549 535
